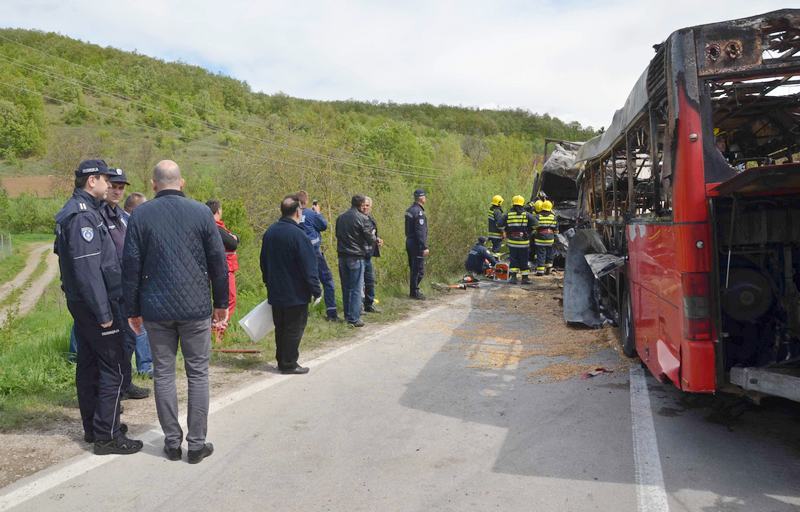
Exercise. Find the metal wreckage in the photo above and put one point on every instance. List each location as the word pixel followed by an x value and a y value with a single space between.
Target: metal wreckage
pixel 687 211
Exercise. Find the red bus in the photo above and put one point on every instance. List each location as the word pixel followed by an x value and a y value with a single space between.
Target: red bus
pixel 695 188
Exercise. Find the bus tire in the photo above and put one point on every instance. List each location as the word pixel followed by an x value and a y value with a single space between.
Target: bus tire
pixel 626 332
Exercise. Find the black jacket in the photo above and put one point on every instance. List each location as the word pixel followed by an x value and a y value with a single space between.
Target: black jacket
pixel 376 250
pixel 173 252
pixel 90 270
pixel 112 215
pixel 355 234
pixel 416 228
pixel 289 265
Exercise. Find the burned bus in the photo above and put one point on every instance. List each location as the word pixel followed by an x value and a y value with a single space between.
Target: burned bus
pixel 693 194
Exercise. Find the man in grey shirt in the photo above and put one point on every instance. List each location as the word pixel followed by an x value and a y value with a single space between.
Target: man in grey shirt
pixel 173 262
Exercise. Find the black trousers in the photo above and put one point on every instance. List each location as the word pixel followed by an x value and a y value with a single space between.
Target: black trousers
pixel 290 323
pixel 519 257
pixel 497 243
pixel 98 374
pixel 416 265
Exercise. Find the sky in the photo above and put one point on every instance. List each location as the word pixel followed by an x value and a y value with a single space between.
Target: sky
pixel 573 59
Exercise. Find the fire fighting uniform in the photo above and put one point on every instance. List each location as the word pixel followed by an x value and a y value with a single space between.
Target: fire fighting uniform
pixel 518 224
pixel 91 278
pixel 495 232
pixel 544 238
pixel 479 258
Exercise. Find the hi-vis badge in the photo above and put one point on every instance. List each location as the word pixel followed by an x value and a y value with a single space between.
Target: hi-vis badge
pixel 87 234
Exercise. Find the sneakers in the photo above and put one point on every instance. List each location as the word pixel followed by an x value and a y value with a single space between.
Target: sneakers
pixel 135 392
pixel 371 309
pixel 89 437
pixel 357 323
pixel 173 453
pixel 121 445
pixel 196 456
pixel 297 370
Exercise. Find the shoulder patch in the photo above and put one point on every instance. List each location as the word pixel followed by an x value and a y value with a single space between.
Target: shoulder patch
pixel 421 222
pixel 82 207
pixel 87 233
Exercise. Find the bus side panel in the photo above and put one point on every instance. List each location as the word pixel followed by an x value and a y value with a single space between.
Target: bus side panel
pixel 657 287
pixel 698 367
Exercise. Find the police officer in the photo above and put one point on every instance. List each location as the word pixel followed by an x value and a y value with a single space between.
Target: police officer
pixel 417 242
pixel 92 282
pixel 495 215
pixel 117 224
pixel 479 258
pixel 518 224
pixel 546 230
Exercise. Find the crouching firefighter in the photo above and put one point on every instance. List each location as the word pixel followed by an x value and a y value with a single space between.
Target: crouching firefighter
pixel 518 224
pixel 479 258
pixel 546 230
pixel 495 216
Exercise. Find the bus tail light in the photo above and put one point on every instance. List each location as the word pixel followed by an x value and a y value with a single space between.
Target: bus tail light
pixel 696 306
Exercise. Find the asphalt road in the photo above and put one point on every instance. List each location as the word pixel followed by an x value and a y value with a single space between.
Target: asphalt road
pixel 419 418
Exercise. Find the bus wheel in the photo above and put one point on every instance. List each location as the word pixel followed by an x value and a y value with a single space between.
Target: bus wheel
pixel 626 326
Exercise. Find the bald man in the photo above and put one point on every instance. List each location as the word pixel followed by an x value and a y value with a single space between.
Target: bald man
pixel 174 266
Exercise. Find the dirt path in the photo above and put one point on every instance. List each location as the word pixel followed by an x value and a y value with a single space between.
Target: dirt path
pixel 34 258
pixel 30 296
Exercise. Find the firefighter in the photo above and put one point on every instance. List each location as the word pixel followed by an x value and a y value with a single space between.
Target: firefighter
pixel 479 258
pixel 534 207
pixel 546 230
pixel 518 224
pixel 495 215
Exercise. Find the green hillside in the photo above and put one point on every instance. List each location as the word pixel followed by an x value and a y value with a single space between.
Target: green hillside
pixel 62 100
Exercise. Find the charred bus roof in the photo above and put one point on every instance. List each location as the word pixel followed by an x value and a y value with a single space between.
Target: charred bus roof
pixel 748 47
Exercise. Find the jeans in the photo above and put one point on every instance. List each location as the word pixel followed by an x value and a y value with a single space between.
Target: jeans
pixel 144 359
pixel 351 273
pixel 326 279
pixel 369 283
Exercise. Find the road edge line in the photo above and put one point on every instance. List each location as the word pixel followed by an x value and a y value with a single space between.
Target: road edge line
pixel 650 492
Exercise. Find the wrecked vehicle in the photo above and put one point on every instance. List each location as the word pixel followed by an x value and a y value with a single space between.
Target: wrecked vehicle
pixel 558 182
pixel 692 197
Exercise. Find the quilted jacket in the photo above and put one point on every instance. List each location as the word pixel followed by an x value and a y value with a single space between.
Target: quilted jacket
pixel 173 260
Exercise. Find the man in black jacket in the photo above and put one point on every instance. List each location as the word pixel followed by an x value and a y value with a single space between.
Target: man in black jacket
pixel 369 268
pixel 417 242
pixel 174 264
pixel 355 237
pixel 289 271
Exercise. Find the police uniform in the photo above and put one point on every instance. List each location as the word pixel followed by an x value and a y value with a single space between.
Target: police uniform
pixel 416 243
pixel 91 278
pixel 518 224
pixel 546 230
pixel 495 231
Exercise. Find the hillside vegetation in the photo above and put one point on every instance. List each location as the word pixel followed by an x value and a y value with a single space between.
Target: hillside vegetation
pixel 62 100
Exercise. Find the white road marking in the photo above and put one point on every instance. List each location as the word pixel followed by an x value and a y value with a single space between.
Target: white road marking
pixel 39 483
pixel 650 492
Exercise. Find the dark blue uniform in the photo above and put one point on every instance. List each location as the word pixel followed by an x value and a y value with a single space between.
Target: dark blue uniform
pixel 495 231
pixel 92 282
pixel 518 224
pixel 477 258
pixel 416 244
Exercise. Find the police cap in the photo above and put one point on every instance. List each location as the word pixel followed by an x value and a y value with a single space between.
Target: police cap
pixel 419 193
pixel 118 176
pixel 90 167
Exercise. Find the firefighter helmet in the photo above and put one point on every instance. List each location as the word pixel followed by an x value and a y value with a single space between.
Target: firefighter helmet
pixel 537 206
pixel 497 200
pixel 518 201
pixel 547 205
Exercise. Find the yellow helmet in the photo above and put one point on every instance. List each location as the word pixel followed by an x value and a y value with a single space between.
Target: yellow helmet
pixel 497 200
pixel 518 201
pixel 537 206
pixel 547 205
